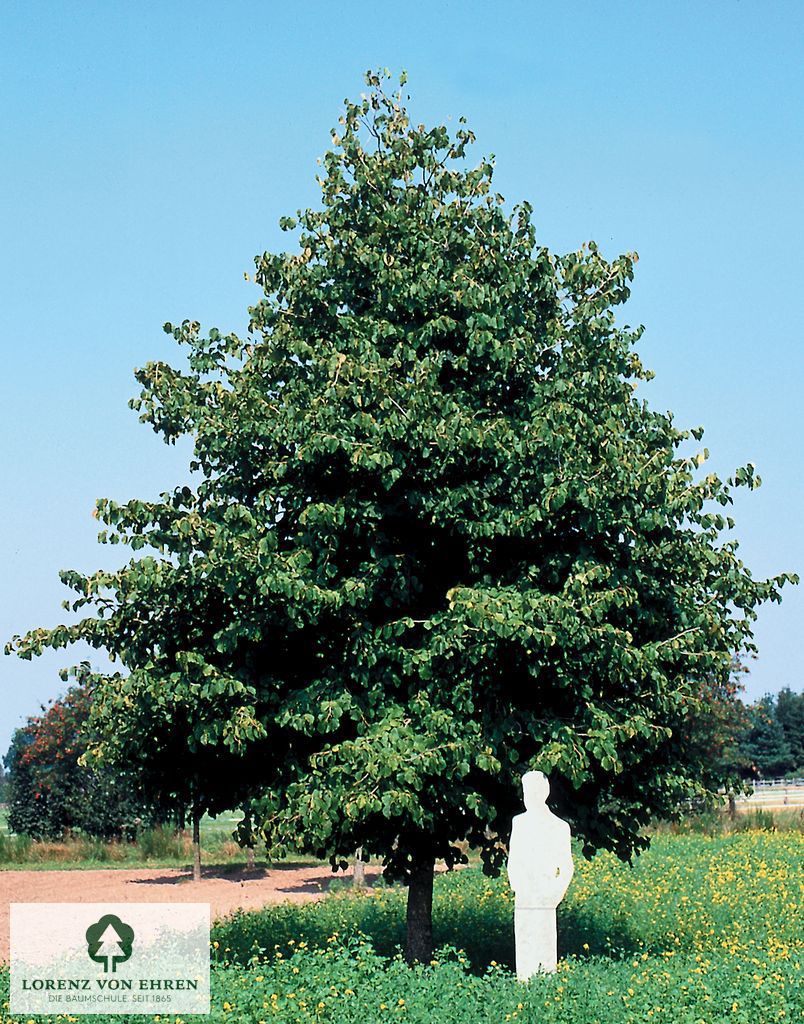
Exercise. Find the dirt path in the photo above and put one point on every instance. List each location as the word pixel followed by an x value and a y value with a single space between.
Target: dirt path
pixel 224 890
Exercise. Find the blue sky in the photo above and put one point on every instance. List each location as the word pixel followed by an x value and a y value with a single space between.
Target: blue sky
pixel 150 148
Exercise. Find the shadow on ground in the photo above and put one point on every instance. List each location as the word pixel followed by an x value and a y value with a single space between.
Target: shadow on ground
pixel 484 931
pixel 227 872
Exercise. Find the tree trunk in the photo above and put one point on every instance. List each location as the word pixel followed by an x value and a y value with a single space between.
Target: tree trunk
pixel 419 945
pixel 732 807
pixel 196 844
pixel 359 876
pixel 246 833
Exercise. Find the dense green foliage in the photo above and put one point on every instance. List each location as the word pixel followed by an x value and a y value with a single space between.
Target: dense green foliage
pixel 437 537
pixel 737 743
pixel 699 930
pixel 50 792
pixel 789 710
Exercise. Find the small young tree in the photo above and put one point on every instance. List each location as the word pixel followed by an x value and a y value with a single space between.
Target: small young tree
pixel 178 733
pixel 438 538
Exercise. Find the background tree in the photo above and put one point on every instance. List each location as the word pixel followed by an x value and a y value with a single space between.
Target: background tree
pixel 766 746
pixel 177 735
pixel 712 738
pixel 789 707
pixel 51 792
pixel 437 538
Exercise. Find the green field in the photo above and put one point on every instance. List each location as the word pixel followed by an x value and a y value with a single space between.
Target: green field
pixel 702 929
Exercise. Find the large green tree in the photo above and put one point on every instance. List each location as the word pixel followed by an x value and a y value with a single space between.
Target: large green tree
pixel 437 537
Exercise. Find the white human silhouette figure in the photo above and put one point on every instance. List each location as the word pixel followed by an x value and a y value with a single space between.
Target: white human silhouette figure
pixel 540 870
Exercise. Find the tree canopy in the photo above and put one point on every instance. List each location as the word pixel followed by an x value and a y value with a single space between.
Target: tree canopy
pixel 437 537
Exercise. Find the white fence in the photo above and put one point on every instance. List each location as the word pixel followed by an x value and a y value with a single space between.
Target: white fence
pixel 774 794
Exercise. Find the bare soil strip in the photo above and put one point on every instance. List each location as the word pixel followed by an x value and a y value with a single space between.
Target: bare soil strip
pixel 224 889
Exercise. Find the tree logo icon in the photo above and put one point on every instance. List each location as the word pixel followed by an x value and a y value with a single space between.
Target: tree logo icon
pixel 109 942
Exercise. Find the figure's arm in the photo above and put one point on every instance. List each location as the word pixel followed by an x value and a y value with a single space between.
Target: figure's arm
pixel 517 858
pixel 567 867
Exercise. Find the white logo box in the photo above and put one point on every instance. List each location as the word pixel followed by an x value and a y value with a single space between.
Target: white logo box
pixel 75 958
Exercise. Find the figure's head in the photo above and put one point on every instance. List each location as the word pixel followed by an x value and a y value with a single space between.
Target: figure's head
pixel 535 789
